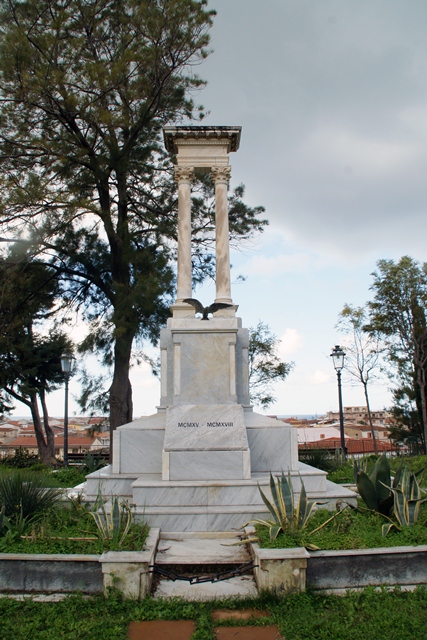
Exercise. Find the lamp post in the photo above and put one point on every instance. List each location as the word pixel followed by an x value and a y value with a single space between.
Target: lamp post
pixel 67 365
pixel 338 356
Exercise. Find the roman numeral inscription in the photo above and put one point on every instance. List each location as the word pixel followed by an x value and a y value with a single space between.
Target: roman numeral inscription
pixel 194 425
pixel 204 427
pixel 220 424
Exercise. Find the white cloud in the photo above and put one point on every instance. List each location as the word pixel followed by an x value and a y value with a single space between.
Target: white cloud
pixel 283 263
pixel 347 151
pixel 290 342
pixel 319 377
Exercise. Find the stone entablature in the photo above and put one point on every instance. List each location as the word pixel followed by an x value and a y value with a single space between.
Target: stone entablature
pixel 186 142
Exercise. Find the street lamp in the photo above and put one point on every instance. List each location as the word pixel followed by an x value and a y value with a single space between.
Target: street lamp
pixel 338 356
pixel 67 365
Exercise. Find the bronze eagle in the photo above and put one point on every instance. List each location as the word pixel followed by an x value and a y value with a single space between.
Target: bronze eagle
pixel 206 310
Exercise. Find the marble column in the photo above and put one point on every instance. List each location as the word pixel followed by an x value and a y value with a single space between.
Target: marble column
pixel 221 176
pixel 184 177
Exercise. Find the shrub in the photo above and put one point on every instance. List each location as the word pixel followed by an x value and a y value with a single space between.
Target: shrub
pixel 318 458
pixel 25 495
pixel 69 476
pixel 21 459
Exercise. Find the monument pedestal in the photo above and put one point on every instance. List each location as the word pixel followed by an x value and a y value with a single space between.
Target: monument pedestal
pixel 204 503
pixel 196 465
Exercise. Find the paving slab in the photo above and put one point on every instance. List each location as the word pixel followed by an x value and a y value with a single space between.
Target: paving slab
pixel 201 551
pixel 233 614
pixel 239 586
pixel 248 633
pixel 161 630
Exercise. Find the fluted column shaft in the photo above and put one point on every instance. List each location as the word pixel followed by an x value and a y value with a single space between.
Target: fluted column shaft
pixel 221 176
pixel 184 176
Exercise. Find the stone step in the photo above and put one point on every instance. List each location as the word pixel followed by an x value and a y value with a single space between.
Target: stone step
pixel 198 549
pixel 240 586
pixel 197 519
pixel 203 554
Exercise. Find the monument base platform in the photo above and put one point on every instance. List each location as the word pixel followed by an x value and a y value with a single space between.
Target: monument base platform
pixel 206 505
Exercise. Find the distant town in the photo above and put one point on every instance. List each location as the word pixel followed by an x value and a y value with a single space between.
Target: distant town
pixel 85 435
pixel 91 434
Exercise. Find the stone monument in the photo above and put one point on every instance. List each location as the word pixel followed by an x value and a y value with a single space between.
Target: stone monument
pixel 195 465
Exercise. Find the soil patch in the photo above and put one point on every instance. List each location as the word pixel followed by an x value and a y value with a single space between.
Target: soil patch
pixel 232 614
pixel 163 630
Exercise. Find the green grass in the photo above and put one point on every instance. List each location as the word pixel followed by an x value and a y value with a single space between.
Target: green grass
pixel 350 530
pixel 344 473
pixel 61 478
pixel 70 521
pixel 385 615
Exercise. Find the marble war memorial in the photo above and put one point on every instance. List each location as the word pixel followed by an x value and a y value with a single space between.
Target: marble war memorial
pixel 195 465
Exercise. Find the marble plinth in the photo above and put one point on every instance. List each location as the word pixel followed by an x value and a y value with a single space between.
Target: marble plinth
pixel 204 362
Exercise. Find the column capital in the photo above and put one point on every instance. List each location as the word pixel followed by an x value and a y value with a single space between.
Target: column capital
pixel 184 174
pixel 221 173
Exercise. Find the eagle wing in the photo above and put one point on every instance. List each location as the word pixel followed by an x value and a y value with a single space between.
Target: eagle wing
pixel 216 306
pixel 195 303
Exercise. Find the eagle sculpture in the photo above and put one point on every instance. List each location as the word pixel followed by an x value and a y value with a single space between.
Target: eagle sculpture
pixel 206 310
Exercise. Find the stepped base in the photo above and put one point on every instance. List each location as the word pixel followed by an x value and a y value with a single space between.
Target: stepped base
pixel 207 505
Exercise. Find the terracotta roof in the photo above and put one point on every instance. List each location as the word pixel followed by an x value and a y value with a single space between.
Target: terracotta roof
pixel 362 445
pixel 365 427
pixel 73 441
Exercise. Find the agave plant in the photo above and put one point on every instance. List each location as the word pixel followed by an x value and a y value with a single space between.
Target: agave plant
pixel 286 517
pixel 113 524
pixel 375 489
pixel 26 495
pixel 407 501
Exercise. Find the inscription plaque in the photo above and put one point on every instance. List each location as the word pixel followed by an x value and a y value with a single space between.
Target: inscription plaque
pixel 205 428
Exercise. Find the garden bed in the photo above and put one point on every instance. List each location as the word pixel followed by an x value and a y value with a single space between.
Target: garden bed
pixel 292 570
pixel 352 554
pixel 88 573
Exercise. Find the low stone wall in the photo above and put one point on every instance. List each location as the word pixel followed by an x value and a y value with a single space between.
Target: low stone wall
pixel 50 573
pixel 129 571
pixel 290 570
pixel 280 570
pixel 67 573
pixel 338 571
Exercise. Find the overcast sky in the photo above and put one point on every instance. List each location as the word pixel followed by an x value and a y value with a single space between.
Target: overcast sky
pixel 332 99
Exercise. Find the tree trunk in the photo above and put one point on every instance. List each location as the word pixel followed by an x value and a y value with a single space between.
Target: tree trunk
pixel 365 389
pixel 422 385
pixel 46 447
pixel 121 409
pixel 50 434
